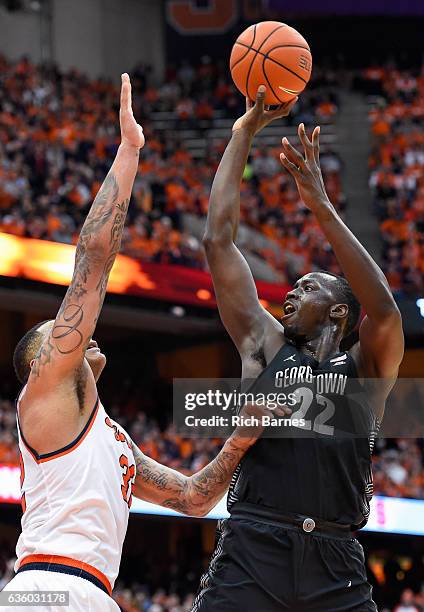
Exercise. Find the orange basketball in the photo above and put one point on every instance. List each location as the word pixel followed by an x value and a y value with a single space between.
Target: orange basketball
pixel 273 54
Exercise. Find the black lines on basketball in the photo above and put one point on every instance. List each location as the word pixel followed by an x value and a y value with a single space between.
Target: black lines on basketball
pixel 267 79
pixel 271 59
pixel 257 51
pixel 276 47
pixel 244 45
pixel 282 47
pixel 281 61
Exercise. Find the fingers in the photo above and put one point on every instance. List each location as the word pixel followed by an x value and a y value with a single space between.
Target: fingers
pixel 259 102
pixel 260 99
pixel 282 411
pixel 284 109
pixel 292 154
pixel 258 411
pixel 288 165
pixel 126 103
pixel 307 144
pixel 315 142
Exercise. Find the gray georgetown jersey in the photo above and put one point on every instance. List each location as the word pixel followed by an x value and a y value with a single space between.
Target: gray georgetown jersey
pixel 323 467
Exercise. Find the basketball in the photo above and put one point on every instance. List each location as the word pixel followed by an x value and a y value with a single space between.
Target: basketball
pixel 273 54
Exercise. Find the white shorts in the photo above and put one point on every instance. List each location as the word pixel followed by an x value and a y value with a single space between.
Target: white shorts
pixel 83 595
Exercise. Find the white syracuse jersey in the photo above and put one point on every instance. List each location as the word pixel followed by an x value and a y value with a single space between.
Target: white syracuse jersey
pixel 76 502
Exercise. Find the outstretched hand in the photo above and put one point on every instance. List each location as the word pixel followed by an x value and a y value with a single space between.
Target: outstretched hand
pixel 131 131
pixel 305 169
pixel 257 116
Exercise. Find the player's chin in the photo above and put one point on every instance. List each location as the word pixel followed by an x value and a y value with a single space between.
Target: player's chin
pixel 291 328
pixel 97 362
pixel 289 321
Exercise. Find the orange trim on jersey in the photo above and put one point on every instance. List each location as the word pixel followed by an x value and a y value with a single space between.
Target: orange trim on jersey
pixel 69 562
pixel 69 447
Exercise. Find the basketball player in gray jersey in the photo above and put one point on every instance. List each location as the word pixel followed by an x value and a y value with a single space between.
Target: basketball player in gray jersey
pixel 295 501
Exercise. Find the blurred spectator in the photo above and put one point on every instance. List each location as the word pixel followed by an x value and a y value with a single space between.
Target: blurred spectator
pixel 407 602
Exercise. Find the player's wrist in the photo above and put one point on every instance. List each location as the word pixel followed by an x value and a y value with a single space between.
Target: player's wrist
pixel 243 131
pixel 323 209
pixel 240 441
pixel 128 147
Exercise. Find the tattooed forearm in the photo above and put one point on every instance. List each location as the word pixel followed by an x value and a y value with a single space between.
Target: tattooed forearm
pixel 98 245
pixel 158 478
pixel 100 213
pixel 115 244
pixel 67 331
pixel 195 495
pixel 102 208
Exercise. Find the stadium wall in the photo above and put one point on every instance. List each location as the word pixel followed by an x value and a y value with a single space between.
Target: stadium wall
pixel 100 37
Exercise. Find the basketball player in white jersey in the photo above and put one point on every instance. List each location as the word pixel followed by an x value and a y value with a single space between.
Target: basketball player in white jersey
pixel 79 469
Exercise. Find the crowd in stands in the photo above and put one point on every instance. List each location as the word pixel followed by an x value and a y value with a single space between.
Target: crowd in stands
pixel 59 133
pixel 396 171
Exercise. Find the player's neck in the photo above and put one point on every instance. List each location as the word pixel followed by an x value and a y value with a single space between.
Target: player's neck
pixel 325 345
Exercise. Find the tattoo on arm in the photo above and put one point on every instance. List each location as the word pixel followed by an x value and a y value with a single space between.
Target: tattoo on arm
pixel 196 494
pixel 67 331
pixel 71 317
pixel 115 243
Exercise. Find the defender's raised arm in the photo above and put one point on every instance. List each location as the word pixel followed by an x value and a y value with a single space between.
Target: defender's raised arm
pixel 99 242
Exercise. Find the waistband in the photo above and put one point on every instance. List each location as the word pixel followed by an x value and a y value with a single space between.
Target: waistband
pixel 66 565
pixel 307 524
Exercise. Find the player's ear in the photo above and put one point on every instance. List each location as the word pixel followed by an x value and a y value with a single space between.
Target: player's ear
pixel 31 363
pixel 339 311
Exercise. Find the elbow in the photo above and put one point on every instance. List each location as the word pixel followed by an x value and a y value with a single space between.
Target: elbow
pixel 95 252
pixel 389 306
pixel 393 312
pixel 213 241
pixel 200 511
pixel 389 312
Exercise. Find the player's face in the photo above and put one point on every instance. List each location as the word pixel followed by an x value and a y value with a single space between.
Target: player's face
pixel 306 309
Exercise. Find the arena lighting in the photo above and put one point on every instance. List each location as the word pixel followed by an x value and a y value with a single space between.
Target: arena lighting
pixel 203 294
pixel 420 304
pixel 52 262
pixel 177 311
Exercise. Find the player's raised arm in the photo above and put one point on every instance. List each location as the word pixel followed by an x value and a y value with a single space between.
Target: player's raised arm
pixel 239 307
pixel 381 344
pixel 196 495
pixel 98 244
